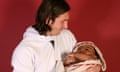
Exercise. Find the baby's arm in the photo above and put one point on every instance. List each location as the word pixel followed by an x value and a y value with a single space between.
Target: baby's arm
pixel 69 59
pixel 72 58
pixel 83 57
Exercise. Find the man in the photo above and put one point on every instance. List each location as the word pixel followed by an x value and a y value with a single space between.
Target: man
pixel 36 53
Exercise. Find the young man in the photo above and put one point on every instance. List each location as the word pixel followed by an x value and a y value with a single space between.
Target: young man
pixel 36 53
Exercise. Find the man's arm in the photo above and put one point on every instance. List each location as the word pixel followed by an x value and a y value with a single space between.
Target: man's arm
pixel 22 61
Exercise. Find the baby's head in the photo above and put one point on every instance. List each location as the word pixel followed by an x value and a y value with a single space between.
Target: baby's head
pixel 87 48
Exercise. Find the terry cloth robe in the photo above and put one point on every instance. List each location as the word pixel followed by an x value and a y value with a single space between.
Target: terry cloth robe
pixel 35 53
pixel 82 66
pixel 64 43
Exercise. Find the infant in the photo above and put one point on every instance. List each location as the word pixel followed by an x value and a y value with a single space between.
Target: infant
pixel 85 55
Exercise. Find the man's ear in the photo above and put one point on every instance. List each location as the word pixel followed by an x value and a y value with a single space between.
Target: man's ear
pixel 49 21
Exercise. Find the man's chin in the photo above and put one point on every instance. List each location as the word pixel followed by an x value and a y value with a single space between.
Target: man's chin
pixel 56 34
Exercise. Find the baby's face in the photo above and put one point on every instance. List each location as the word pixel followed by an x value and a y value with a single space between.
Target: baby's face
pixel 86 49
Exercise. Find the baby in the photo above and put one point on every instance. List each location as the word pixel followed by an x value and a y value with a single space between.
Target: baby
pixel 85 55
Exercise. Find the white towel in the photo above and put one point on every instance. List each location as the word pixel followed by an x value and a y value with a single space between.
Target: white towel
pixel 82 66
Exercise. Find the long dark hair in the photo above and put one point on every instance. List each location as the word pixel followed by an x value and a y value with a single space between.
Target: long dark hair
pixel 49 9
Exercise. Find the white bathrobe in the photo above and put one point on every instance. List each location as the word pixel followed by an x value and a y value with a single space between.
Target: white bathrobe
pixel 35 53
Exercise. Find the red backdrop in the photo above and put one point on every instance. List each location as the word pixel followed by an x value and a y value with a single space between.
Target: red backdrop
pixel 95 20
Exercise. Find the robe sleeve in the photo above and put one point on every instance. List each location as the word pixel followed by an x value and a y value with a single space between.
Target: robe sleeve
pixel 22 60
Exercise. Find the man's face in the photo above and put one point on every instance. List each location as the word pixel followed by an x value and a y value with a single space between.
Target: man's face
pixel 60 23
pixel 87 49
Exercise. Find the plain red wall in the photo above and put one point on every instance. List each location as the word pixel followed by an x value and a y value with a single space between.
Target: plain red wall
pixel 95 20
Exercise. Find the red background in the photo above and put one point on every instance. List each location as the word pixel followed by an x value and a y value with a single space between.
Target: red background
pixel 95 20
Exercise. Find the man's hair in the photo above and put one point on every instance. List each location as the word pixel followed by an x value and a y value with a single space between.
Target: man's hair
pixel 49 9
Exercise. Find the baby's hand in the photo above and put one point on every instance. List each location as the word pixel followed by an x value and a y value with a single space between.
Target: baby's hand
pixel 69 59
